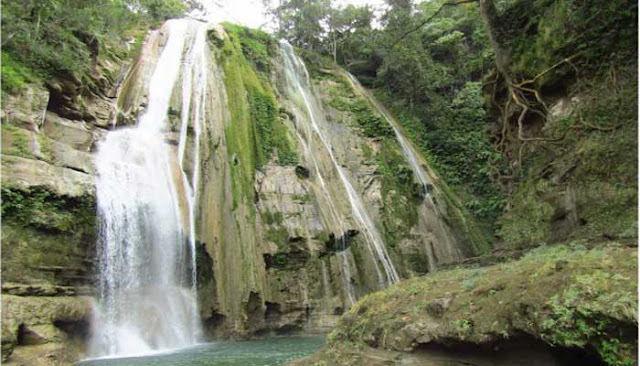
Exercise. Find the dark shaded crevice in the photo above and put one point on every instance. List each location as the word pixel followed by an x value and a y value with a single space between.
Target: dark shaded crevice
pixel 517 350
pixel 74 329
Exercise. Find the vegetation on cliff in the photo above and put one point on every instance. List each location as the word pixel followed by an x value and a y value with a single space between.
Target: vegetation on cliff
pixel 48 39
pixel 62 227
pixel 527 109
pixel 256 133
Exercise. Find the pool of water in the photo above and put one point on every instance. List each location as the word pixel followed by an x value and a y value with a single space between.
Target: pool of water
pixel 266 352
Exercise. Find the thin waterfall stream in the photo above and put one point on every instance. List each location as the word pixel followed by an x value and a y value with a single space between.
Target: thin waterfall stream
pixel 298 78
pixel 419 171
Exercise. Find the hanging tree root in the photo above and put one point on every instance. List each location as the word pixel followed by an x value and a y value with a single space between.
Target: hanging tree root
pixel 518 93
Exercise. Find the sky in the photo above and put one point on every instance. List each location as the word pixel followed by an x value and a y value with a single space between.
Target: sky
pixel 251 12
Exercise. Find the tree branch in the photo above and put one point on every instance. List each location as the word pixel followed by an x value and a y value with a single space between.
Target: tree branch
pixel 422 24
pixel 567 60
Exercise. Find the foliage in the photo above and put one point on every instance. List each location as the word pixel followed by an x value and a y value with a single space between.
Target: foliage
pixel 575 320
pixel 372 124
pixel 258 47
pixel 557 29
pixel 41 209
pixel 50 38
pixel 300 21
pixel 18 141
pixel 596 164
pixel 161 10
pixel 14 75
pixel 566 295
pixel 399 191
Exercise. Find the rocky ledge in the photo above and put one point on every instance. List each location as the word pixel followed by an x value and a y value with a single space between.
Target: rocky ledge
pixel 562 305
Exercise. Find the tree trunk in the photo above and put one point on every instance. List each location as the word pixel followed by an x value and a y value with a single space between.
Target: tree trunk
pixel 491 21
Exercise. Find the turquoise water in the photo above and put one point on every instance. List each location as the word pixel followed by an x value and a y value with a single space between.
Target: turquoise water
pixel 267 352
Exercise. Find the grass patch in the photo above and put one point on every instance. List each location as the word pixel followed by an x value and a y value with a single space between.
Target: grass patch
pixel 16 141
pixel 15 76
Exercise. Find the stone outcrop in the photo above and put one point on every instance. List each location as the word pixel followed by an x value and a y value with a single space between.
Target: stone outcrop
pixel 566 303
pixel 42 324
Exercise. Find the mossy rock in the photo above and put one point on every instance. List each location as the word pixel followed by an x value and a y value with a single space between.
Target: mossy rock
pixel 566 296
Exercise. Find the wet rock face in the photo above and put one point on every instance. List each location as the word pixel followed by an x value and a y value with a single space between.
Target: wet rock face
pixel 27 108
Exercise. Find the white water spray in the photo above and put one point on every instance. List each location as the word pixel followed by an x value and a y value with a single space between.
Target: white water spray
pixel 147 301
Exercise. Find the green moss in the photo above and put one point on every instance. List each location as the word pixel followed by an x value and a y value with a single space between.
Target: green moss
pixel 302 198
pixel 256 132
pixel 343 99
pixel 367 151
pixel 272 218
pixel 272 133
pixel 323 237
pixel 257 46
pixel 575 319
pixel 15 76
pixel 42 230
pixel 529 222
pixel 18 141
pixel 27 252
pixel 46 147
pixel 278 236
pixel 400 193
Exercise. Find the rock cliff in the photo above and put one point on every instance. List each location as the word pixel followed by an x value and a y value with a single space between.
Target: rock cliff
pixel 278 247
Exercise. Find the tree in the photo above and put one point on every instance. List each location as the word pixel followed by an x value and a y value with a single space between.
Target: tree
pixel 302 22
pixel 349 27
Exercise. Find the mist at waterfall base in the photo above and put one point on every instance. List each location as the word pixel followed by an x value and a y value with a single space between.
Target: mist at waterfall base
pixel 268 352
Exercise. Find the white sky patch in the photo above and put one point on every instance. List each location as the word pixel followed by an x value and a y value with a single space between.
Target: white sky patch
pixel 251 13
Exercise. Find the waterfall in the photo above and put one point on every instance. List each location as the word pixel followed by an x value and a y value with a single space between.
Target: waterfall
pixel 343 255
pixel 407 149
pixel 300 84
pixel 429 206
pixel 147 300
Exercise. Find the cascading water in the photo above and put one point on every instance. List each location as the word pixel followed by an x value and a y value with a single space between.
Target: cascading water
pixel 418 170
pixel 345 252
pixel 147 299
pixel 299 81
pixel 407 150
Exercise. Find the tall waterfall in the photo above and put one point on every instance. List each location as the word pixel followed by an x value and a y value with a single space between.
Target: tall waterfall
pixel 147 300
pixel 299 82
